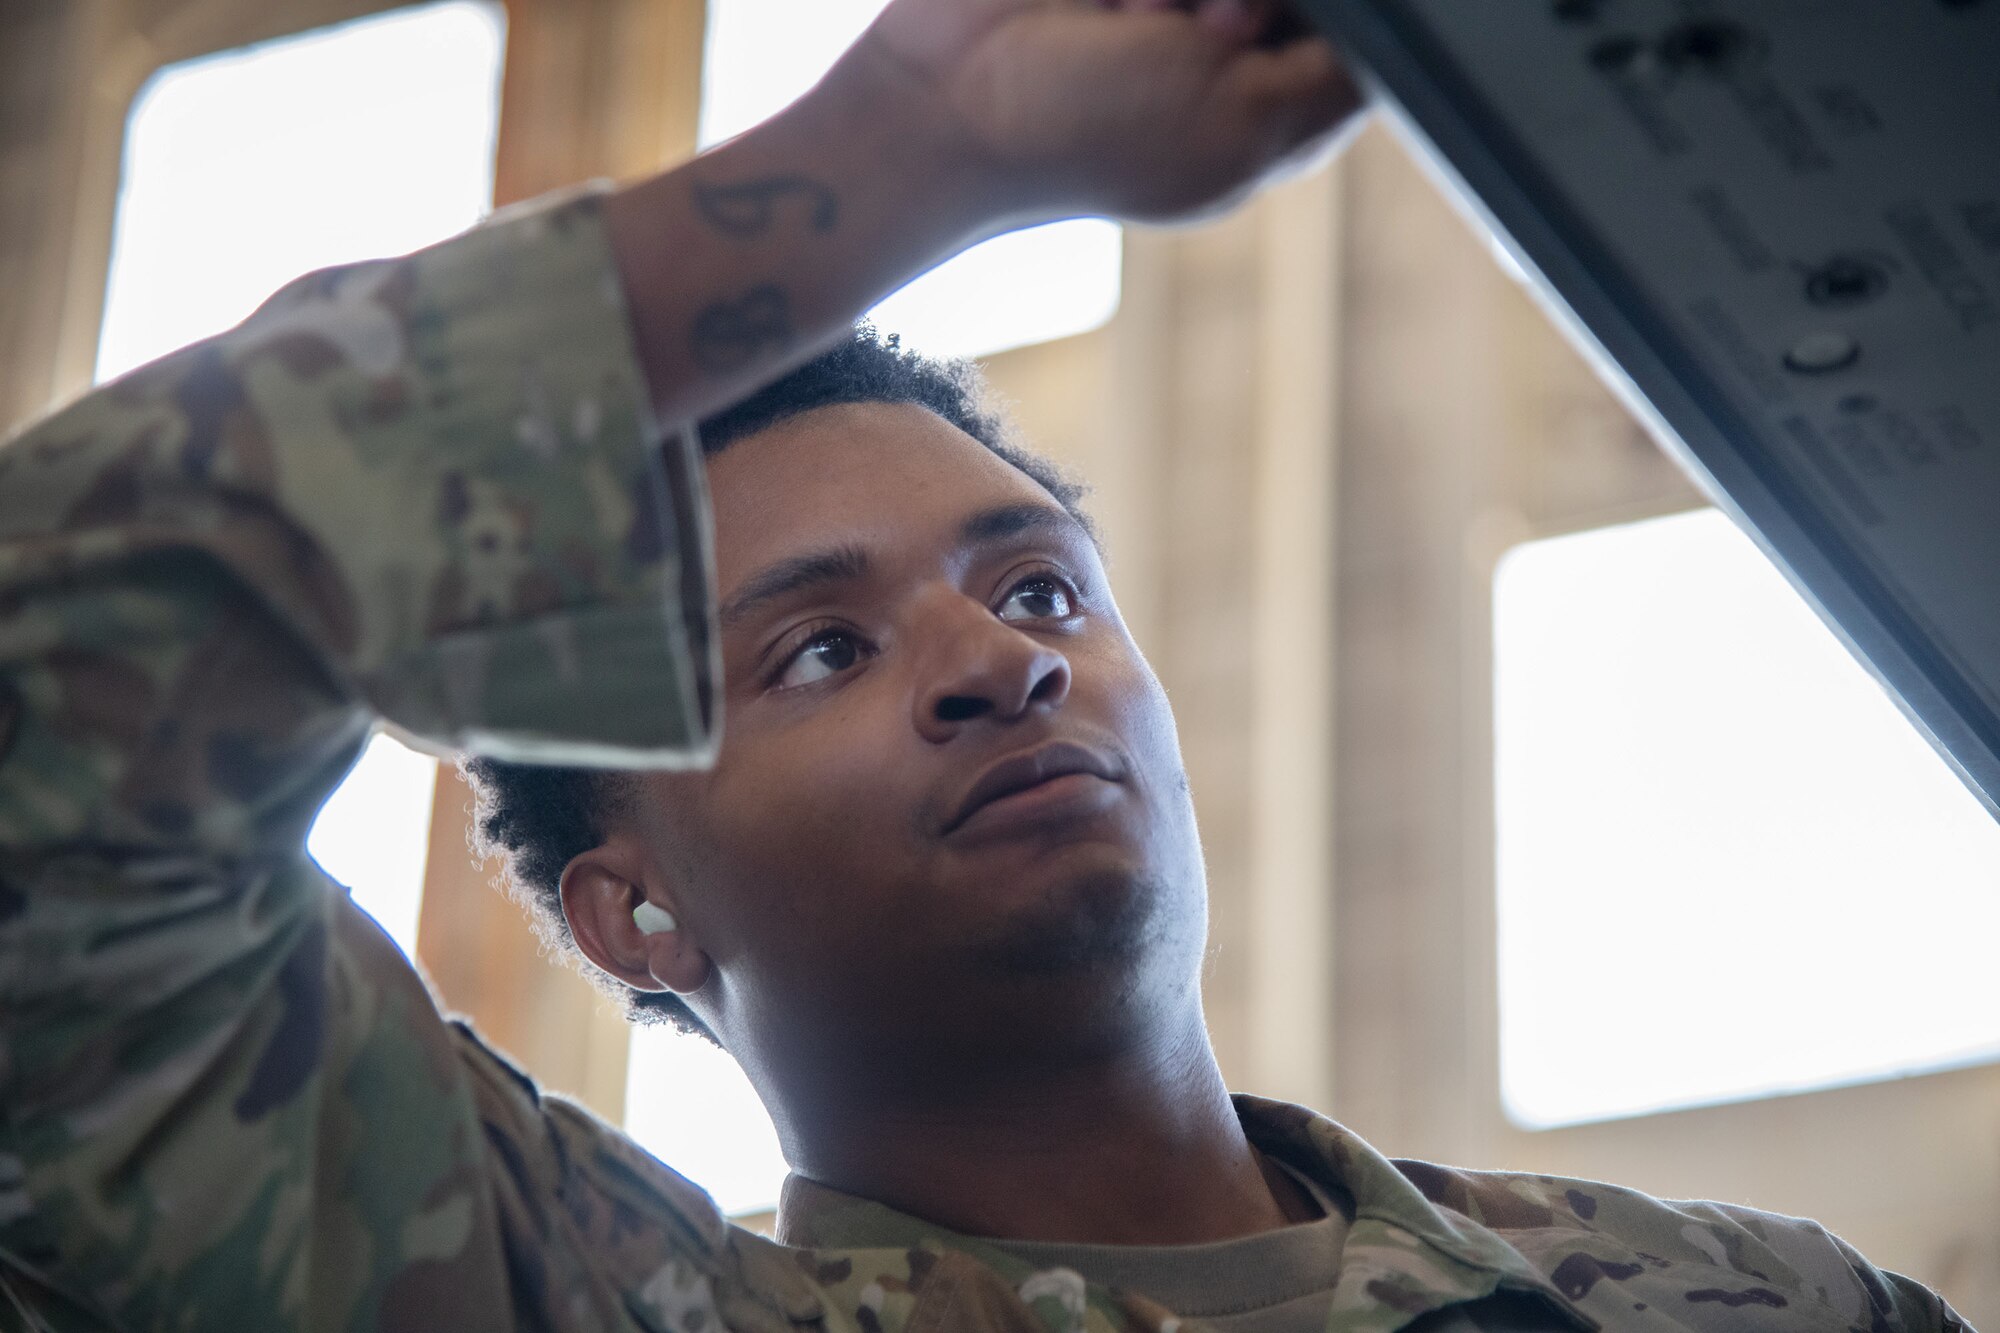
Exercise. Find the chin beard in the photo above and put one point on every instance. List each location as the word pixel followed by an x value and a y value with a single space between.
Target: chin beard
pixel 1108 920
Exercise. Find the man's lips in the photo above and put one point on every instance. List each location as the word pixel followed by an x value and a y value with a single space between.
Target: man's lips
pixel 1031 768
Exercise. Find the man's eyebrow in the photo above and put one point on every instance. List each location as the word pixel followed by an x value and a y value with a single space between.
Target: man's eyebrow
pixel 1012 520
pixel 786 577
pixel 846 563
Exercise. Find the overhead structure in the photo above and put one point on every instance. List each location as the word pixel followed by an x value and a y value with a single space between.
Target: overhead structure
pixel 1774 225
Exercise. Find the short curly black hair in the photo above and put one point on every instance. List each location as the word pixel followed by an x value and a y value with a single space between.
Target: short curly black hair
pixel 537 819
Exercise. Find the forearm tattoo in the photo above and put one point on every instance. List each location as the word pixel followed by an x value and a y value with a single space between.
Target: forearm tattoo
pixel 729 335
pixel 751 208
pixel 732 334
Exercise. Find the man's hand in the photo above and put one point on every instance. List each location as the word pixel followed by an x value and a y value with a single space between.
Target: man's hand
pixel 948 122
pixel 1148 110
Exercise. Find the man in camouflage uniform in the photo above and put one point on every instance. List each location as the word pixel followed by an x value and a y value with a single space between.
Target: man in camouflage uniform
pixel 430 492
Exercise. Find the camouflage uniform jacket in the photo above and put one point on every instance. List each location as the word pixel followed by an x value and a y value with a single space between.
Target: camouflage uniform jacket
pixel 426 491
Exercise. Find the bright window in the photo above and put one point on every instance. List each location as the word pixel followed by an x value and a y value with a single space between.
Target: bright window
pixel 1028 287
pixel 245 169
pixel 373 835
pixel 691 1105
pixel 1728 867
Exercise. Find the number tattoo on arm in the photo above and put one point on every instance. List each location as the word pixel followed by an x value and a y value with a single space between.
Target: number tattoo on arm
pixel 730 334
pixel 751 208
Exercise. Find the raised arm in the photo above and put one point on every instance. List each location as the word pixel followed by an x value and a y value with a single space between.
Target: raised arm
pixel 423 489
pixel 432 491
pixel 948 122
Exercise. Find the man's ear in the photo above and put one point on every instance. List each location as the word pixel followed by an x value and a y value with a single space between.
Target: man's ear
pixel 600 890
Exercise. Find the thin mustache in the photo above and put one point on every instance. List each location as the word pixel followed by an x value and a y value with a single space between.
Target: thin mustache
pixel 1031 765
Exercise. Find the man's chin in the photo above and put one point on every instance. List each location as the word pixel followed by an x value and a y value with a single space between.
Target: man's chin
pixel 1096 918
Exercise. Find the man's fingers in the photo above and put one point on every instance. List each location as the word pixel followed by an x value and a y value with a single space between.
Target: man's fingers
pixel 1234 20
pixel 1300 90
pixel 1137 108
pixel 1238 21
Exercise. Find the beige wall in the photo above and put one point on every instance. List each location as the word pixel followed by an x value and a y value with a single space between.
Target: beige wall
pixel 1312 428
pixel 1467 426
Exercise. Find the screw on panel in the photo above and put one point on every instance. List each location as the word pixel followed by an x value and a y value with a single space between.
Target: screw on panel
pixel 1822 352
pixel 1846 280
pixel 1711 45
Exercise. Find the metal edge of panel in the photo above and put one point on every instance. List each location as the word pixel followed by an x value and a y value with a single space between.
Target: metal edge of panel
pixel 1493 179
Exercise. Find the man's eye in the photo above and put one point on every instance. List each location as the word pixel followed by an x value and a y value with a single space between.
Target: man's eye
pixel 1037 598
pixel 827 653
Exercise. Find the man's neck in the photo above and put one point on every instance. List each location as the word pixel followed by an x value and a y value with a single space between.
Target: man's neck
pixel 1141 1149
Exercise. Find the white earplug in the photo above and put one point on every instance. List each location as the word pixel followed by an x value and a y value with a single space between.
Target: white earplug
pixel 653 919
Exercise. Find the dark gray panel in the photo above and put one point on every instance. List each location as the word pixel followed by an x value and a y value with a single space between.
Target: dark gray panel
pixel 1775 224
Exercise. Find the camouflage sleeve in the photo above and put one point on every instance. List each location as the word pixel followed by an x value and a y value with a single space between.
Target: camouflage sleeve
pixel 423 490
pixel 1807 1259
pixel 1894 1298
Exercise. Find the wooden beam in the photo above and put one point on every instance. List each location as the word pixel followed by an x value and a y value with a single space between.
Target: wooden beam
pixel 593 88
pixel 597 88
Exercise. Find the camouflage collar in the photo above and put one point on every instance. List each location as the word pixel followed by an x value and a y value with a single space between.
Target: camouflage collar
pixel 1403 1256
pixel 1403 1251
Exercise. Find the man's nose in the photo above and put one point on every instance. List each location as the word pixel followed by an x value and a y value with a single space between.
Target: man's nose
pixel 979 666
